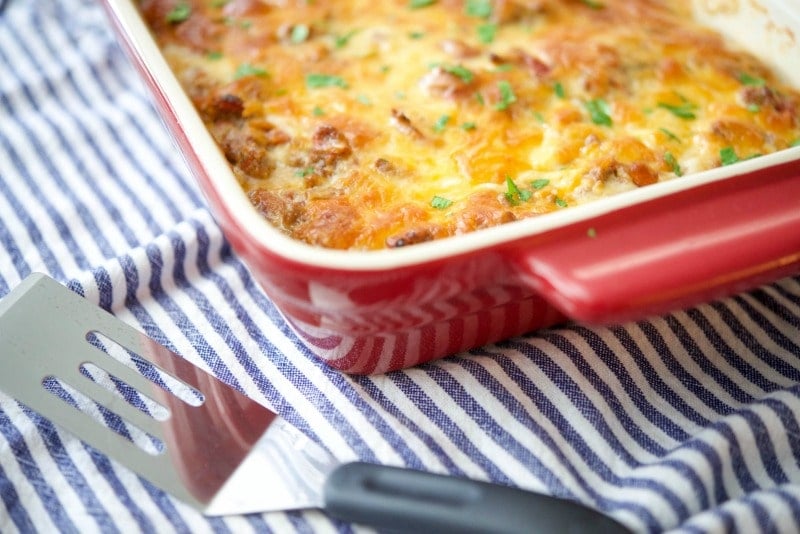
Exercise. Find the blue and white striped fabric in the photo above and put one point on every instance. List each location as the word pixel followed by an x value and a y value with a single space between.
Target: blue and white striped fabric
pixel 687 423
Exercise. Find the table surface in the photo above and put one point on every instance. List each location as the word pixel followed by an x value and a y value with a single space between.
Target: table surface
pixel 688 422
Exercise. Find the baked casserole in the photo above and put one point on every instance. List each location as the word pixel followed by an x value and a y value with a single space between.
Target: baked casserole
pixel 367 125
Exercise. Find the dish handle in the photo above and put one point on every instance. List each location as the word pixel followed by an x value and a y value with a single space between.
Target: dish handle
pixel 673 252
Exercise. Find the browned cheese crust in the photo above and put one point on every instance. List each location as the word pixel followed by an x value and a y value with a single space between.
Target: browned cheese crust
pixel 372 124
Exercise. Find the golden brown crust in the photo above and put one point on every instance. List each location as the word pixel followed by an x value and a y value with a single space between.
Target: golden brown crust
pixel 364 125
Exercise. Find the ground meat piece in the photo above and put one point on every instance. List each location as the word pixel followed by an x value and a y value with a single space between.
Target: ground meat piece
pixel 410 237
pixel 458 49
pixel 225 106
pixel 283 210
pixel 254 161
pixel 441 83
pixel 401 121
pixel 328 147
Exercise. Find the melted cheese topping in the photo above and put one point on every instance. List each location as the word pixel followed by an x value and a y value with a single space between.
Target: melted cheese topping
pixel 365 124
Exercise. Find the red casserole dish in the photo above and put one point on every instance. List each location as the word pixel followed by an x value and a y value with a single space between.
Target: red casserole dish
pixel 649 251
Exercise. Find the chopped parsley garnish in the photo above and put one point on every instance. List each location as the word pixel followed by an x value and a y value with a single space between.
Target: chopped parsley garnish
pixel 316 81
pixel 755 81
pixel 478 8
pixel 246 69
pixel 218 3
pixel 179 13
pixel 594 4
pixel 561 203
pixel 417 4
pixel 540 183
pixel 468 125
pixel 464 73
pixel 440 203
pixel 753 108
pixel 558 89
pixel 303 173
pixel 673 163
pixel 416 35
pixel 507 96
pixel 728 156
pixel 670 135
pixel 795 143
pixel 599 112
pixel 300 33
pixel 364 99
pixel 214 56
pixel 591 232
pixel 340 41
pixel 684 110
pixel 487 32
pixel 440 123
pixel 318 111
pixel 513 193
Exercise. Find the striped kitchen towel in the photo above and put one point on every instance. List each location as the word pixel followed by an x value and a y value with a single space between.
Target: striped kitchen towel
pixel 686 423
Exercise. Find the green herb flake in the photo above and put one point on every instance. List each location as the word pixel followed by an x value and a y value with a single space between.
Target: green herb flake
pixel 728 156
pixel 440 203
pixel 670 135
pixel 755 81
pixel 364 99
pixel 479 98
pixel 246 69
pixel 478 8
pixel 416 35
pixel 486 32
pixel 795 143
pixel 468 126
pixel 540 183
pixel 300 33
pixel 558 89
pixel 179 13
pixel 561 203
pixel 507 96
pixel 599 112
pixel 418 4
pixel 318 111
pixel 670 160
pixel 218 3
pixel 591 232
pixel 340 41
pixel 304 173
pixel 214 56
pixel 441 122
pixel 683 111
pixel 316 81
pixel 594 4
pixel 753 108
pixel 513 193
pixel 463 73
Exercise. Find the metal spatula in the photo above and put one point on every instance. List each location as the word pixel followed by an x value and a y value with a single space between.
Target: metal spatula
pixel 219 451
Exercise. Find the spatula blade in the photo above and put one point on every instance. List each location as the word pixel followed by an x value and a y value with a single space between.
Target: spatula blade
pixel 223 454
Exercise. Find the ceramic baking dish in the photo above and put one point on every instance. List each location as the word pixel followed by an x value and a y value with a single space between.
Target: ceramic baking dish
pixel 649 251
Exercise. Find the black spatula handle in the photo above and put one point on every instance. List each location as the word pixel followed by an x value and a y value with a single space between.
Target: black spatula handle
pixel 405 500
